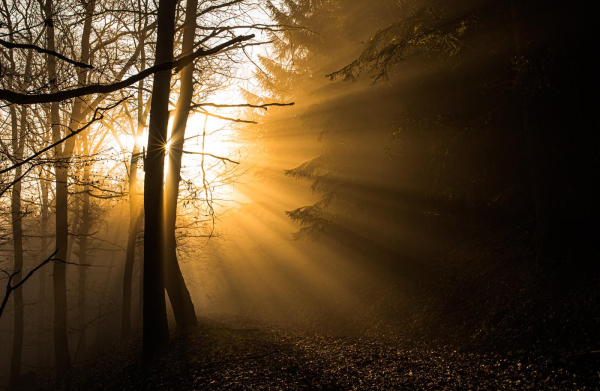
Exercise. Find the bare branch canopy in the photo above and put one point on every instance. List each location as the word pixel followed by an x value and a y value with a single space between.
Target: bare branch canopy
pixel 21 98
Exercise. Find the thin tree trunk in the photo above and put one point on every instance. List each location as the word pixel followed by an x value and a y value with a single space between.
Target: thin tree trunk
pixel 42 275
pixel 134 220
pixel 75 223
pixel 140 249
pixel 82 256
pixel 18 145
pixel 17 227
pixel 104 293
pixel 156 329
pixel 61 342
pixel 135 215
pixel 179 295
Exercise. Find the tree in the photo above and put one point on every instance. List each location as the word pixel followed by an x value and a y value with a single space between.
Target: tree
pixel 135 213
pixel 18 146
pixel 110 57
pixel 178 293
pixel 538 34
pixel 63 156
pixel 156 329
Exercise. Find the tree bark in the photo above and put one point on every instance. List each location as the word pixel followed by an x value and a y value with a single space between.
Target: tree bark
pixel 135 210
pixel 42 275
pixel 63 156
pixel 61 343
pixel 155 328
pixel 18 142
pixel 140 250
pixel 105 291
pixel 83 239
pixel 135 216
pixel 179 295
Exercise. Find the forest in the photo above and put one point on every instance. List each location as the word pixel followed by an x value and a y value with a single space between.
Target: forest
pixel 299 195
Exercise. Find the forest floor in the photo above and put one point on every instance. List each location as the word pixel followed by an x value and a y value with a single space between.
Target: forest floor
pixel 238 354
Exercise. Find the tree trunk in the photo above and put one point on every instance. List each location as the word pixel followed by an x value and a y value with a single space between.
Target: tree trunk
pixel 42 344
pixel 75 226
pixel 104 293
pixel 179 295
pixel 63 156
pixel 18 142
pixel 83 239
pixel 156 329
pixel 61 343
pixel 140 249
pixel 135 215
pixel 134 220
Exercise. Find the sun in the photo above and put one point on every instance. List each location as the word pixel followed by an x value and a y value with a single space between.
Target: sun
pixel 212 153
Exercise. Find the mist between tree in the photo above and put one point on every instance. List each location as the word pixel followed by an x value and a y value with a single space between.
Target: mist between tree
pixel 420 176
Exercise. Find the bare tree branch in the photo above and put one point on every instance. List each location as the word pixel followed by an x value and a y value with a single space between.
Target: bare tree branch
pixel 244 121
pixel 10 288
pixel 215 7
pixel 211 155
pixel 263 106
pixel 20 98
pixel 72 134
pixel 12 45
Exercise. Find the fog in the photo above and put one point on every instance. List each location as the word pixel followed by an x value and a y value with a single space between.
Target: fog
pixel 410 173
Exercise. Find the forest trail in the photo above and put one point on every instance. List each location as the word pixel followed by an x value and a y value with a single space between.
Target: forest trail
pixel 238 354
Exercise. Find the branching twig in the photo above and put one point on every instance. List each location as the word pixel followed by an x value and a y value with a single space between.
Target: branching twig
pixel 72 134
pixel 20 98
pixel 211 155
pixel 10 288
pixel 244 121
pixel 12 45
pixel 263 106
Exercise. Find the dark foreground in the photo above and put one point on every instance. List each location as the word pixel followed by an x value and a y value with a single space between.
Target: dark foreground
pixel 235 354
